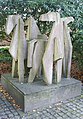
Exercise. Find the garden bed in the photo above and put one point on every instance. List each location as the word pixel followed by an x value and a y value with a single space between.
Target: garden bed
pixel 6 67
pixel 76 72
pixel 6 63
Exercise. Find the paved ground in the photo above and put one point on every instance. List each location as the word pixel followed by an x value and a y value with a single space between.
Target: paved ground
pixel 70 109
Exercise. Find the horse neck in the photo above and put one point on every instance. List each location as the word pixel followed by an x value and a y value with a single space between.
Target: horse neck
pixel 33 30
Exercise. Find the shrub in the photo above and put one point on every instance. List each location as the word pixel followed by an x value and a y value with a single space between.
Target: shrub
pixel 4 55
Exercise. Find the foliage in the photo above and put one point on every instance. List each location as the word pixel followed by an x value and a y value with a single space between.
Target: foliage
pixel 36 8
pixel 4 55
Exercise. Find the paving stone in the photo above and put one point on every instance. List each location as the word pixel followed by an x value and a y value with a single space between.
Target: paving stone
pixel 74 112
pixel 7 112
pixel 73 116
pixel 10 115
pixel 61 114
pixel 17 117
pixel 77 118
pixel 52 113
pixel 81 117
pixel 60 117
pixel 15 113
pixel 4 117
pixel 79 111
pixel 46 118
pixel 78 114
pixel 65 116
pixel 13 110
pixel 43 116
pixel 51 117
pixel 1 112
pixel 12 118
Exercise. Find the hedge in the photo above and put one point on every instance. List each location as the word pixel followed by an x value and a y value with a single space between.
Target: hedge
pixel 35 8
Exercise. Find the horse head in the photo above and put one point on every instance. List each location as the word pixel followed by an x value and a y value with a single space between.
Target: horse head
pixel 11 23
pixel 50 16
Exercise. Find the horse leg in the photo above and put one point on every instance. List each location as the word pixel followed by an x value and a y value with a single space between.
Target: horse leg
pixel 14 68
pixel 58 71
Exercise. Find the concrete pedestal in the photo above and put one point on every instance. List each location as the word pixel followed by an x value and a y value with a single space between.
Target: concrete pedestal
pixel 37 94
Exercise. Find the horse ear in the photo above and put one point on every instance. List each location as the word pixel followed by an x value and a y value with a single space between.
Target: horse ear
pixel 67 20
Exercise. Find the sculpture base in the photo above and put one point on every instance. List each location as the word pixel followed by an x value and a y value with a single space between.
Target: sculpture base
pixel 36 95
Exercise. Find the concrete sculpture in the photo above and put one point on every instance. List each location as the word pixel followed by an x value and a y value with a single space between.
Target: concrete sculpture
pixel 59 47
pixel 67 46
pixel 36 46
pixel 55 48
pixel 35 51
pixel 18 45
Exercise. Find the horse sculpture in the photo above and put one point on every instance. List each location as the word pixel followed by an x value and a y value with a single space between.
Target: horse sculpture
pixel 36 45
pixel 55 48
pixel 18 45
pixel 67 47
pixel 59 47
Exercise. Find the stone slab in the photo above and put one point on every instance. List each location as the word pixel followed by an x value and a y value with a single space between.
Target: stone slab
pixel 38 94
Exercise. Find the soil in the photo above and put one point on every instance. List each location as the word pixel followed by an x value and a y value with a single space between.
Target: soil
pixel 5 67
pixel 5 42
pixel 76 72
